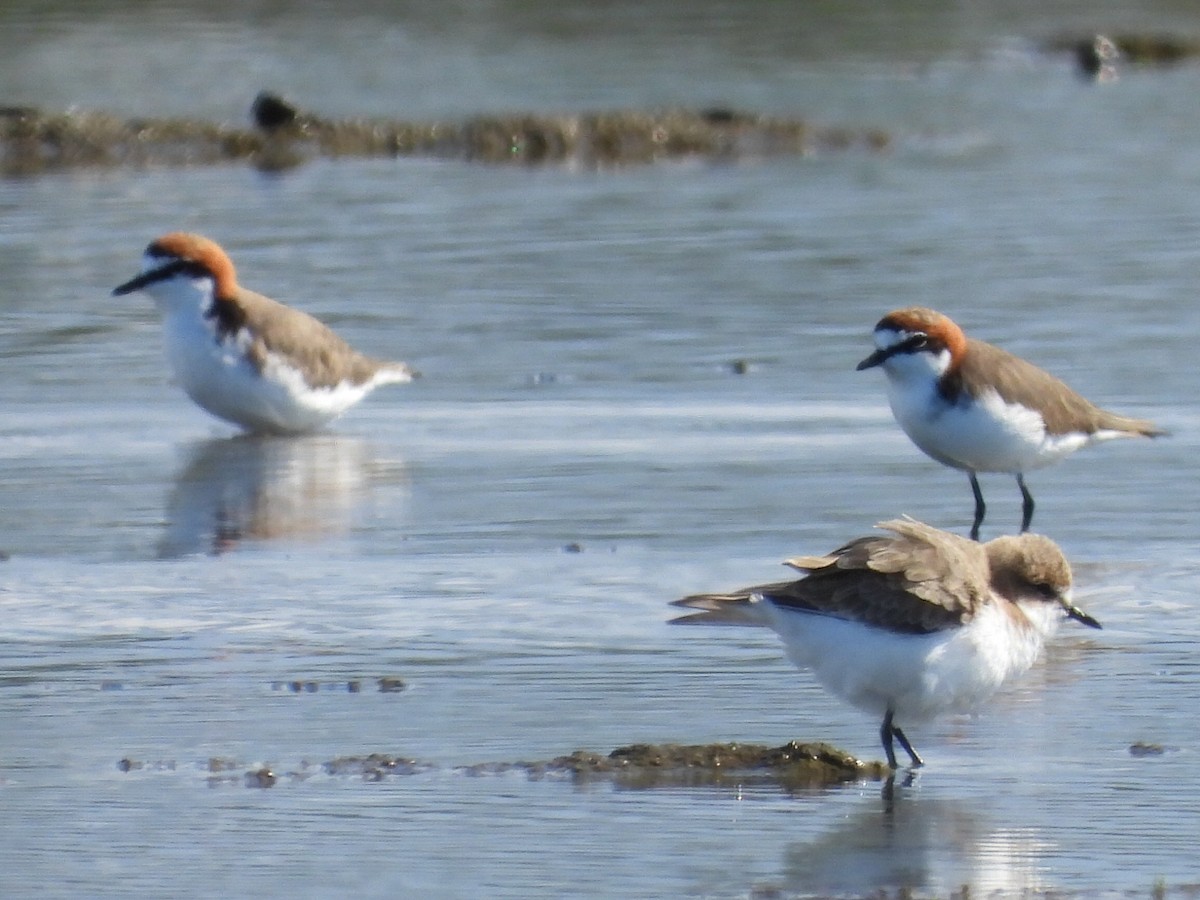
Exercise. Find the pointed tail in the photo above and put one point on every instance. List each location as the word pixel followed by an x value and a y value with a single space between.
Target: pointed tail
pixel 396 373
pixel 1138 427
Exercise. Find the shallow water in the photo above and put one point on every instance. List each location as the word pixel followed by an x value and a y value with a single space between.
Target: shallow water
pixel 504 535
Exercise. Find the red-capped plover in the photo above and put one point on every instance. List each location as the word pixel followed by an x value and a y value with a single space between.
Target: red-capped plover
pixel 975 407
pixel 244 357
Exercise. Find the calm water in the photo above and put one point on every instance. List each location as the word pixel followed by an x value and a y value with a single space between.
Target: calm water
pixel 168 579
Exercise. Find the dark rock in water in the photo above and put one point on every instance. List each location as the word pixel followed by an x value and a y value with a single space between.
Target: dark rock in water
pixel 391 685
pixel 721 115
pixel 271 112
pixel 284 128
pixel 261 778
pixel 352 686
pixel 1142 748
pixel 374 767
pixel 128 764
pixel 794 766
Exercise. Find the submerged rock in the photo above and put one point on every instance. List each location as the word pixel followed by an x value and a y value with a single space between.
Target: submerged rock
pixel 260 778
pixel 271 112
pixel 794 766
pixel 282 136
pixel 374 767
pixel 1145 748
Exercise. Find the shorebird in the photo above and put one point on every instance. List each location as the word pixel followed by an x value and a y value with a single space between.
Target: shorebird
pixel 911 624
pixel 244 357
pixel 972 406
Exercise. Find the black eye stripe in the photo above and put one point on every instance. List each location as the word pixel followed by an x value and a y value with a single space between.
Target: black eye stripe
pixel 914 343
pixel 163 272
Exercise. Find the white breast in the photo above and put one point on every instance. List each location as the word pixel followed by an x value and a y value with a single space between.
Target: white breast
pixel 916 676
pixel 982 435
pixel 218 377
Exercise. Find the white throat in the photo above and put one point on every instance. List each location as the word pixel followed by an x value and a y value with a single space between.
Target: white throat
pixel 180 293
pixel 1044 617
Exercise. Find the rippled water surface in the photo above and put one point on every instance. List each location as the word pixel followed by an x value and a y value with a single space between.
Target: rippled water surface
pixel 505 534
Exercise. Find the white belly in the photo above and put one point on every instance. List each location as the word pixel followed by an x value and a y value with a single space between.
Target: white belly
pixel 219 378
pixel 987 435
pixel 915 676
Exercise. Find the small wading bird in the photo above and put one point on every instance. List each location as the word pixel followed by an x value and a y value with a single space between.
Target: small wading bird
pixel 975 407
pixel 244 357
pixel 911 624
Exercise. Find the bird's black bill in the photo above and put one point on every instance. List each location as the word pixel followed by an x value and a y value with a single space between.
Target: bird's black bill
pixel 1074 612
pixel 914 343
pixel 875 359
pixel 136 284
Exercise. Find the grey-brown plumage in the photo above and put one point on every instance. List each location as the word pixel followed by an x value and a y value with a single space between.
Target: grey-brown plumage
pixel 307 343
pixel 1016 380
pixel 915 580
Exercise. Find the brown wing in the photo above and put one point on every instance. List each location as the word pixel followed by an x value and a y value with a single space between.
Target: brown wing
pixel 296 336
pixel 917 579
pixel 1020 381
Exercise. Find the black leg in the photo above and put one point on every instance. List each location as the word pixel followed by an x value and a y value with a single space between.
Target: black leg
pixel 917 762
pixel 1027 504
pixel 885 735
pixel 889 733
pixel 980 506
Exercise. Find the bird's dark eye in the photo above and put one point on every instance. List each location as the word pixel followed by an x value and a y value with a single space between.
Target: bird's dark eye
pixel 914 343
pixel 1049 591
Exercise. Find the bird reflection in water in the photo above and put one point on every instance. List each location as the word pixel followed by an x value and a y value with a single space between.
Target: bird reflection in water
pixel 263 488
pixel 921 844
